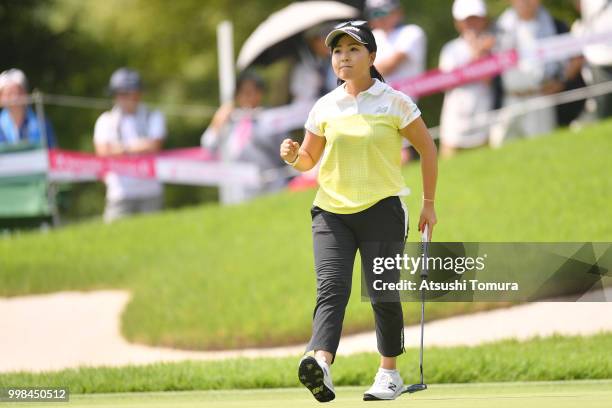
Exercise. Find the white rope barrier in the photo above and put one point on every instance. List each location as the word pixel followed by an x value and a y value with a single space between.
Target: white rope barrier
pixel 86 102
pixel 492 117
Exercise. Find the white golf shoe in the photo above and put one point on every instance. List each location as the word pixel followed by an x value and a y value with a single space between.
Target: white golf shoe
pixel 316 376
pixel 388 385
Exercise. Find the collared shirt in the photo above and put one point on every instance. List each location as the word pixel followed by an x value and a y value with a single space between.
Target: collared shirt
pixel 361 163
pixel 29 132
pixel 118 127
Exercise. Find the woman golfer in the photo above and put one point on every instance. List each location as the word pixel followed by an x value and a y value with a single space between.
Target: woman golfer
pixel 357 129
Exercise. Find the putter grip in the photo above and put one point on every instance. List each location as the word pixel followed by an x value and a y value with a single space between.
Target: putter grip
pixel 424 245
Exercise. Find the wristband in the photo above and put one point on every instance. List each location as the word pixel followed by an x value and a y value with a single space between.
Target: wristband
pixel 294 162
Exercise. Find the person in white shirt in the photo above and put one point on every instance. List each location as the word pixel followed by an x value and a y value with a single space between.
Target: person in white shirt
pixel 401 47
pixel 462 103
pixel 520 26
pixel 129 128
pixel 597 17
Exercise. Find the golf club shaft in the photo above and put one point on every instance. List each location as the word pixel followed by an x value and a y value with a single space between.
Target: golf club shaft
pixel 424 274
pixel 422 333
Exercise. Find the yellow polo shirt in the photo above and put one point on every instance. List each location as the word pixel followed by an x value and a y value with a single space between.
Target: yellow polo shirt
pixel 361 163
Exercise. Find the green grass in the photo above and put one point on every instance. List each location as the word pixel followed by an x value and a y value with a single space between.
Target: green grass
pixel 560 394
pixel 539 359
pixel 212 277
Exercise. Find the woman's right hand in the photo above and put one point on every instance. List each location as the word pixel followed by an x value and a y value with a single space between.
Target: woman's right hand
pixel 289 150
pixel 428 217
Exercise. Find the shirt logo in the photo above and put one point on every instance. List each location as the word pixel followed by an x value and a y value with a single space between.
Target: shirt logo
pixel 381 109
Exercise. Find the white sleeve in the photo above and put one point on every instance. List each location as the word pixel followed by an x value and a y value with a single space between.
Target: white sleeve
pixel 447 62
pixel 312 124
pixel 409 111
pixel 103 131
pixel 209 138
pixel 305 82
pixel 412 42
pixel 157 125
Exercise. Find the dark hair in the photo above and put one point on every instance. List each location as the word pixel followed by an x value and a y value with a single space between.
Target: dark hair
pixel 370 46
pixel 250 75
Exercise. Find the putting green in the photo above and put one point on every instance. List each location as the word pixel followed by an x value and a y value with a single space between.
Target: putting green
pixel 557 394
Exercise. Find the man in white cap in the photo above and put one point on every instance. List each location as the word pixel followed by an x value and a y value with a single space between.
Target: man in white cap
pixel 462 103
pixel 129 128
pixel 19 125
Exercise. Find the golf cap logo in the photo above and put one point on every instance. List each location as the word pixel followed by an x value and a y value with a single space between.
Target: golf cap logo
pixel 356 31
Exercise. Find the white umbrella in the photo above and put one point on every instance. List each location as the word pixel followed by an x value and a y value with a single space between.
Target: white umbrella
pixel 272 38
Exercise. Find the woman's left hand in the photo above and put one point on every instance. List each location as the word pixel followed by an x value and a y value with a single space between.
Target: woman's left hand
pixel 428 216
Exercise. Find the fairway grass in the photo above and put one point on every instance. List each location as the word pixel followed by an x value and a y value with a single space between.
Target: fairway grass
pixel 556 394
pixel 555 358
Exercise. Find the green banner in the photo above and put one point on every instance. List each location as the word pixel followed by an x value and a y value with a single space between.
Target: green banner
pixel 24 196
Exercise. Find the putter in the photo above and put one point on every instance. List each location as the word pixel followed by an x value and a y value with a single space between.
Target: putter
pixel 424 274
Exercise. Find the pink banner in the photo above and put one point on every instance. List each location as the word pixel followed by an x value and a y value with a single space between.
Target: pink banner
pixel 89 165
pixel 191 153
pixel 76 163
pixel 193 166
pixel 434 81
pixel 68 162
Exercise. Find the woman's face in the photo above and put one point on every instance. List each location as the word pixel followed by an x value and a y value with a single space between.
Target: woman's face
pixel 350 59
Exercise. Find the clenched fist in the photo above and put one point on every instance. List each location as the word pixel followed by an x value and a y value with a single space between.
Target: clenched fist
pixel 289 150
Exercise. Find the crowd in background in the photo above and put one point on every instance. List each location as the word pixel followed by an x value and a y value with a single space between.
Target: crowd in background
pixel 235 134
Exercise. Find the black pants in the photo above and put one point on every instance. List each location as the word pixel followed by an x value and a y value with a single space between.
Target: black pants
pixel 378 231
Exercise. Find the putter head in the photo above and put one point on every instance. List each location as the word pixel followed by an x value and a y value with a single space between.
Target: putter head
pixel 415 387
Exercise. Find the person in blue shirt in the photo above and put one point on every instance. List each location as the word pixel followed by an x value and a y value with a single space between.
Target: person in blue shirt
pixel 19 124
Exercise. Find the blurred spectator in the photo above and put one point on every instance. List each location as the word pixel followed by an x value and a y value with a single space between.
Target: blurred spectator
pixel 19 124
pixel 313 76
pixel 237 137
pixel 462 103
pixel 129 128
pixel 571 78
pixel 597 17
pixel 401 47
pixel 521 26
